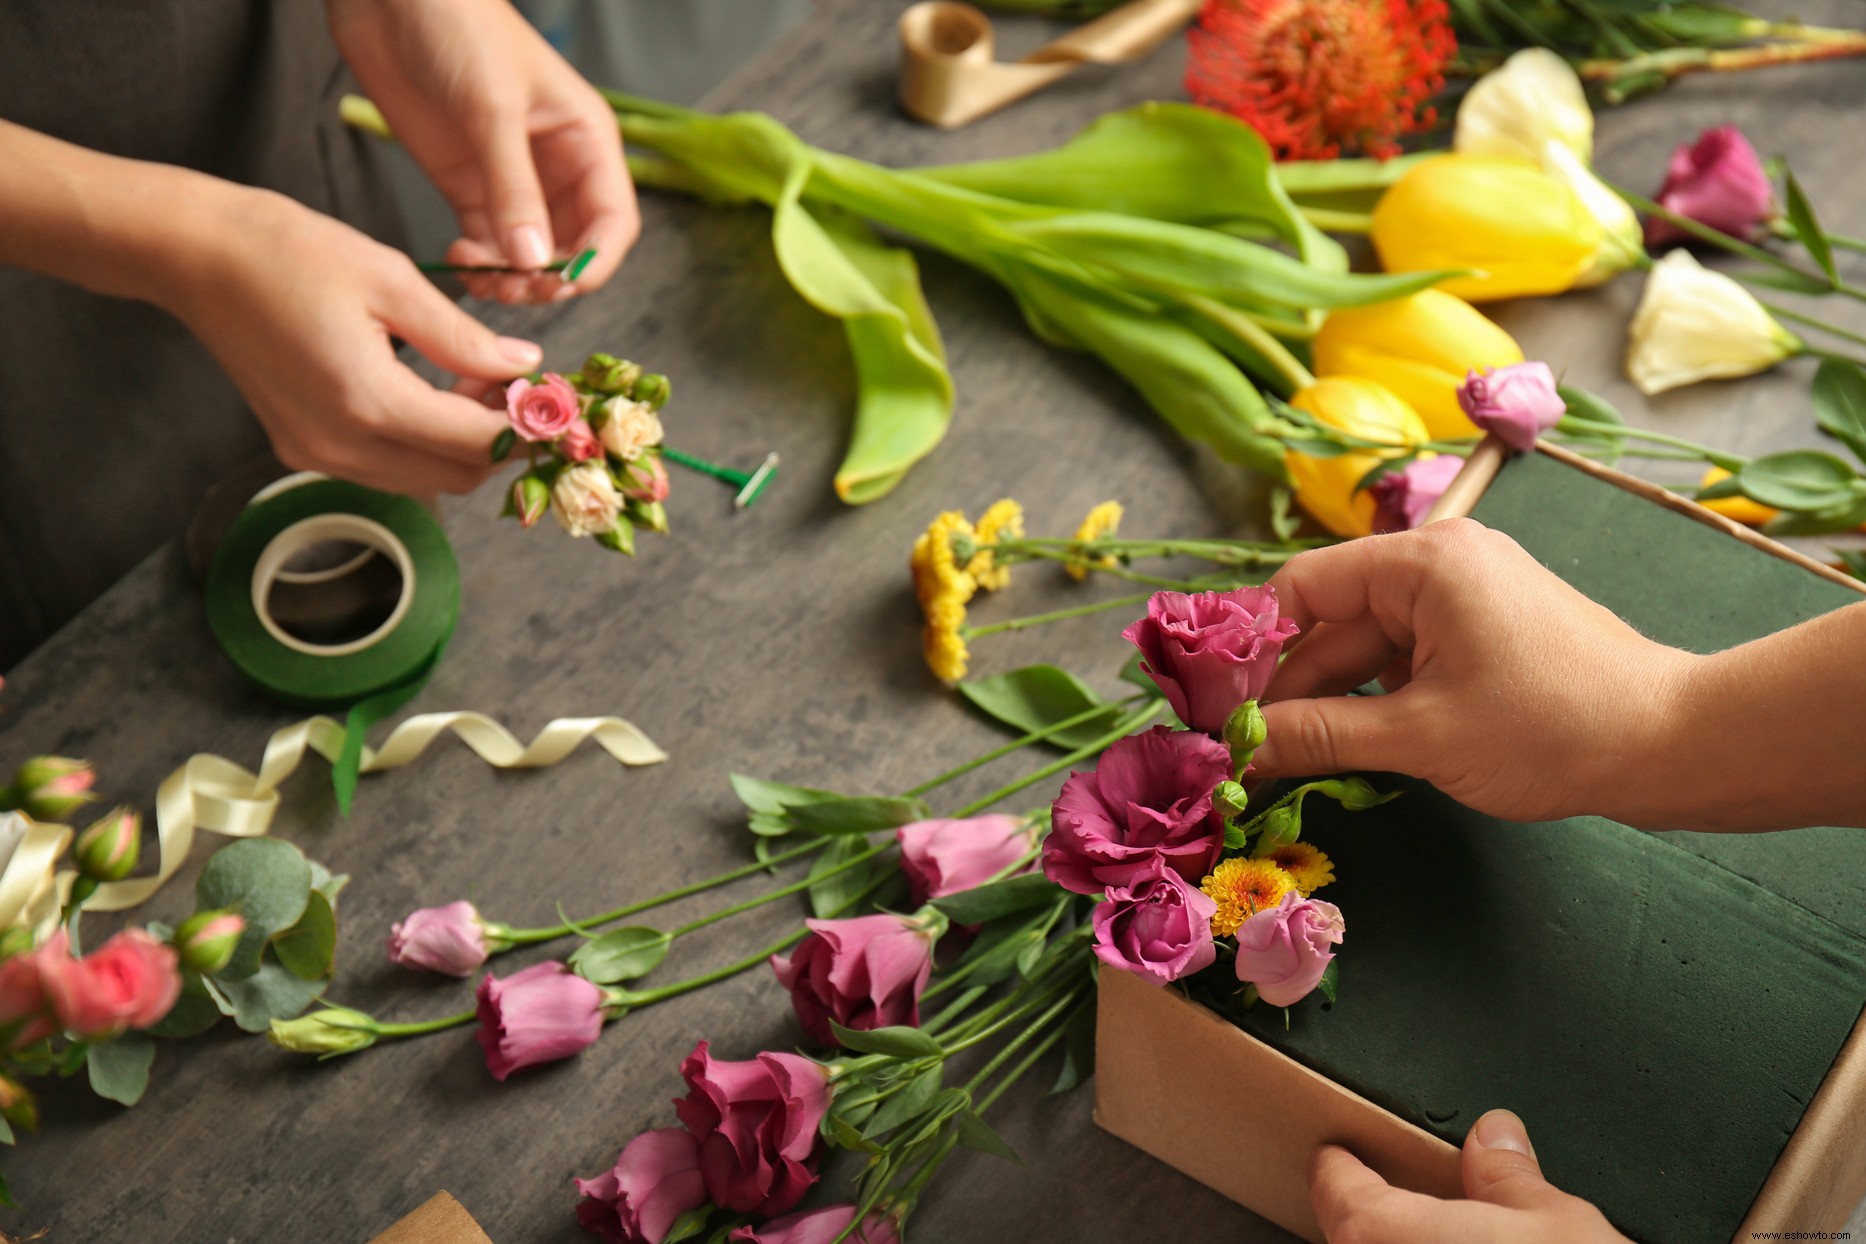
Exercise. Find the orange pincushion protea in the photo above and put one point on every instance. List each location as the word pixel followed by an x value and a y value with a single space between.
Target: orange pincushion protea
pixel 1319 77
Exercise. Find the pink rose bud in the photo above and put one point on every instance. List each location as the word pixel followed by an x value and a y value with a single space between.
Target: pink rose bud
pixel 645 479
pixel 1150 796
pixel 951 857
pixel 820 1226
pixel 530 500
pixel 757 1123
pixel 1516 403
pixel 1404 497
pixel 1212 651
pixel 578 443
pixel 207 939
pixel 1159 925
pixel 131 981
pixel 1284 950
pixel 1717 181
pixel 655 1180
pixel 539 1015
pixel 51 788
pixel 865 972
pixel 450 940
pixel 542 412
pixel 109 849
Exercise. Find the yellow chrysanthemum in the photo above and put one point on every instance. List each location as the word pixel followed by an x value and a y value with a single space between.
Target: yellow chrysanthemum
pixel 1306 865
pixel 1003 521
pixel 1242 888
pixel 943 641
pixel 937 575
pixel 1102 521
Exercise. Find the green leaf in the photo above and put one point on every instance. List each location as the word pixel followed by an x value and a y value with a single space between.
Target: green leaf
pixel 688 1225
pixel 832 895
pixel 502 444
pixel 327 884
pixel 906 1102
pixel 844 1134
pixel 1598 409
pixel 308 949
pixel 1000 898
pixel 859 814
pixel 1330 976
pixel 6 1195
pixel 1234 836
pixel 1853 559
pixel 194 1011
pixel 270 993
pixel 1819 522
pixel 1353 793
pixel 1132 673
pixel 1078 1051
pixel 119 1068
pixel 1284 521
pixel 1808 229
pixel 992 957
pixel 975 1133
pixel 775 798
pixel 1039 696
pixel 621 955
pixel 1839 394
pixel 1799 479
pixel 898 1042
pixel 267 881
pixel 6 1133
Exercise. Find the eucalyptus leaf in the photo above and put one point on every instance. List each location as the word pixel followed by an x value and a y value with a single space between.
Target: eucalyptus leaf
pixel 119 1068
pixel 975 1133
pixel 897 1042
pixel 268 994
pixel 308 950
pixel 267 881
pixel 1001 898
pixel 1799 479
pixel 1839 393
pixel 194 1011
pixel 1038 696
pixel 1808 229
pixel 621 955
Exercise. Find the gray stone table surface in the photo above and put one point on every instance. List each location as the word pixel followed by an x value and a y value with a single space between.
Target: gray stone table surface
pixel 780 642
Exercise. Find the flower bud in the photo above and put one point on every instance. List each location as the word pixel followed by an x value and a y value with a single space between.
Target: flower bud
pixel 1245 731
pixel 531 497
pixel 605 373
pixel 652 515
pixel 645 479
pixel 1229 799
pixel 206 940
pixel 652 390
pixel 1328 488
pixel 51 788
pixel 332 1031
pixel 109 849
pixel 619 538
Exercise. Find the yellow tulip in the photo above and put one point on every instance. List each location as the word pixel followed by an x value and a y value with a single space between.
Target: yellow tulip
pixel 1362 408
pixel 1420 347
pixel 1742 509
pixel 1521 230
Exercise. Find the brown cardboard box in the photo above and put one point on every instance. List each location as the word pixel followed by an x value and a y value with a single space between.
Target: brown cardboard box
pixel 439 1220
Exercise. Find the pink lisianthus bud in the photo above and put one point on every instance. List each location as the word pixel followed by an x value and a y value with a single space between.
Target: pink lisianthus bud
pixel 206 940
pixel 1284 950
pixel 655 1180
pixel 1516 403
pixel 538 1015
pixel 757 1123
pixel 1150 796
pixel 820 1226
pixel 1404 497
pixel 543 411
pixel 1717 181
pixel 1211 651
pixel 449 939
pixel 51 788
pixel 531 497
pixel 131 981
pixel 578 443
pixel 865 972
pixel 645 479
pixel 951 857
pixel 1158 926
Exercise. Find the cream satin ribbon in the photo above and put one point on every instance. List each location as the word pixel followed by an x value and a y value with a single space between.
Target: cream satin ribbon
pixel 212 793
pixel 949 77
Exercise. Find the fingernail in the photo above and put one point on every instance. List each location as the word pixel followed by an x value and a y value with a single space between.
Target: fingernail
pixel 1502 1130
pixel 523 353
pixel 529 249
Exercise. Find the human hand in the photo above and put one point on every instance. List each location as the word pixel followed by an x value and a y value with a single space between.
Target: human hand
pixel 1510 1202
pixel 525 150
pixel 1508 690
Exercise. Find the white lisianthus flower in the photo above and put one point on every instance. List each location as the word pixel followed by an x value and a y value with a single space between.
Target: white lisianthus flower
pixel 585 501
pixel 1535 97
pixel 1694 324
pixel 1622 243
pixel 629 427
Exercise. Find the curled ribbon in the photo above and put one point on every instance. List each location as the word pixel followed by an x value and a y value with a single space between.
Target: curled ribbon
pixel 29 893
pixel 949 77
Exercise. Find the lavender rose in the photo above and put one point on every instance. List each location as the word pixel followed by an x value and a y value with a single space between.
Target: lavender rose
pixel 1516 403
pixel 1212 651
pixel 1158 926
pixel 1149 797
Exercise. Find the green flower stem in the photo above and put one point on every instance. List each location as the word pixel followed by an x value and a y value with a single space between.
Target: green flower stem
pixel 953 1009
pixel 1068 1002
pixel 1056 615
pixel 424 1027
pixel 1125 728
pixel 1591 448
pixel 1035 736
pixel 1736 245
pixel 991 1013
pixel 782 892
pixel 1120 572
pixel 519 937
pixel 1026 1063
pixel 1037 1001
pixel 1224 552
pixel 1796 317
pixel 1704 453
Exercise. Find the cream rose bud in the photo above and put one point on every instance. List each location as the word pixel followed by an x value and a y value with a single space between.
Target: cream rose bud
pixel 1533 98
pixel 629 427
pixel 585 501
pixel 1694 324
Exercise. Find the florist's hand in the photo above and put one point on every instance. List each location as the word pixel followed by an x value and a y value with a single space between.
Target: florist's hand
pixel 1509 690
pixel 1510 1202
pixel 525 150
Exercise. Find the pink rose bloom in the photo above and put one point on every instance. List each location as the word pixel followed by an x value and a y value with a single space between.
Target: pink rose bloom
pixel 1517 403
pixel 1717 181
pixel 951 857
pixel 447 939
pixel 819 1226
pixel 756 1122
pixel 865 972
pixel 1404 497
pixel 1210 652
pixel 646 479
pixel 655 1180
pixel 131 981
pixel 579 443
pixel 1159 925
pixel 22 993
pixel 1285 949
pixel 539 1015
pixel 542 412
pixel 1149 797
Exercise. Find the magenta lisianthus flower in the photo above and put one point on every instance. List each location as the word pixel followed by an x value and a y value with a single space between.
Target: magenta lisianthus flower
pixel 952 856
pixel 538 1015
pixel 1285 949
pixel 865 972
pixel 819 1226
pixel 1158 926
pixel 1150 796
pixel 450 939
pixel 1516 403
pixel 542 411
pixel 578 443
pixel 756 1122
pixel 655 1179
pixel 1404 497
pixel 1211 651
pixel 1717 181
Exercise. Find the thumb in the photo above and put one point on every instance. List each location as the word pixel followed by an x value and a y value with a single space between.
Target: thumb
pixel 1500 1164
pixel 1334 734
pixel 514 199
pixel 448 337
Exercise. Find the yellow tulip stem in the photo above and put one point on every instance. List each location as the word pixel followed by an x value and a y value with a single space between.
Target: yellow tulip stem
pixel 1337 221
